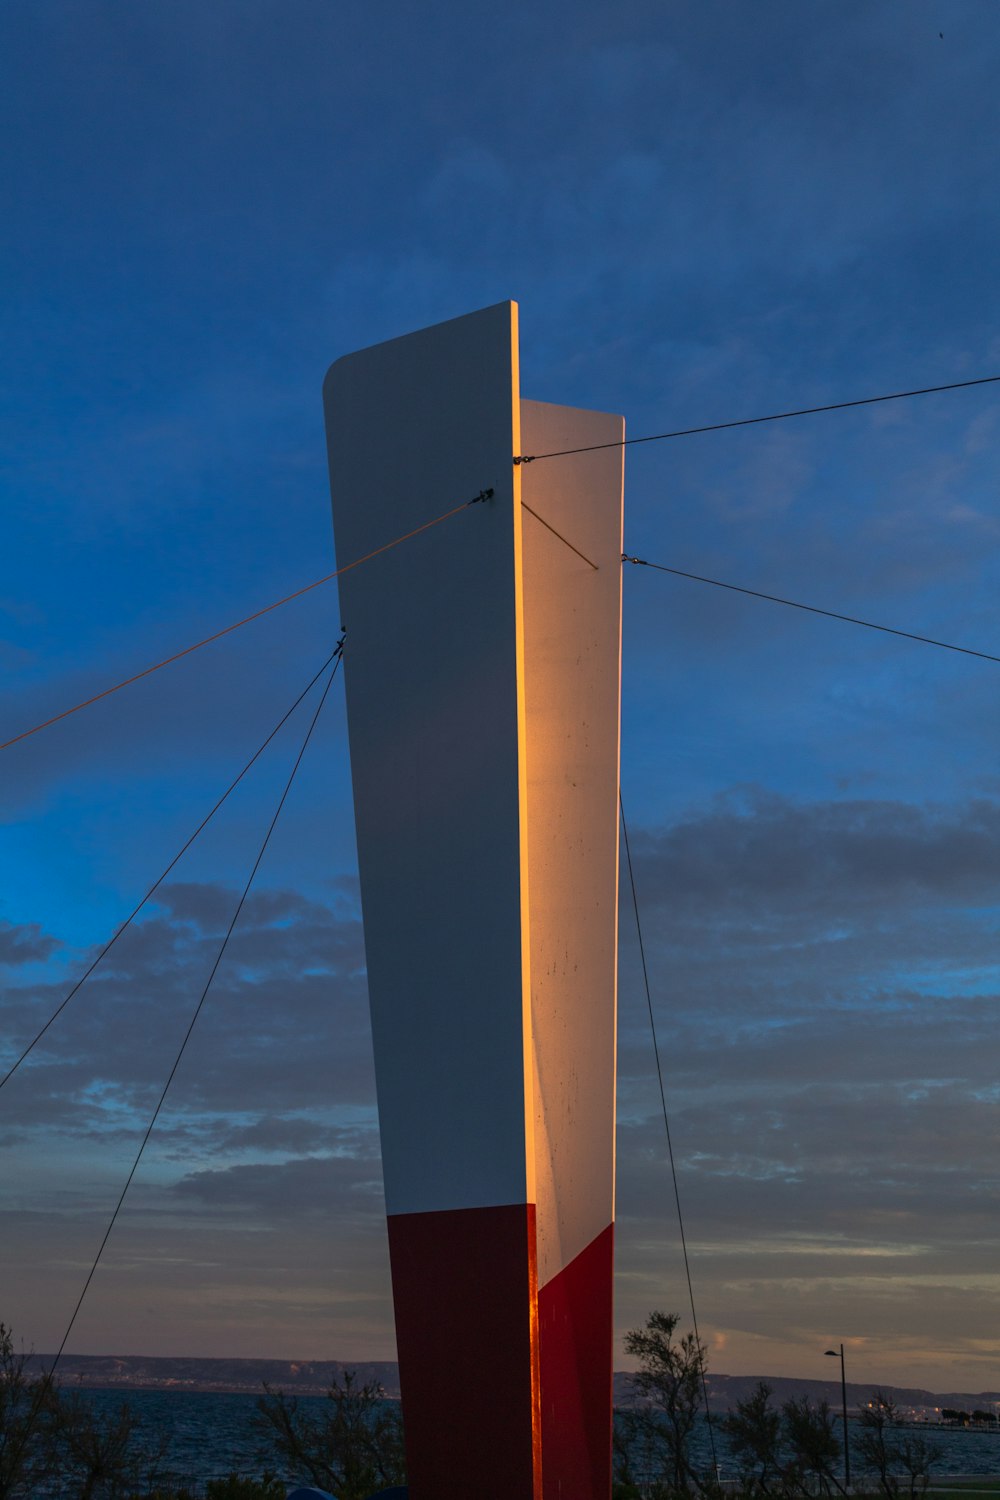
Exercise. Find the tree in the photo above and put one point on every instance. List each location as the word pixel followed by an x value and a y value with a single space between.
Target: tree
pixel 100 1455
pixel 355 1448
pixel 874 1445
pixel 753 1430
pixel 22 1432
pixel 917 1455
pixel 810 1441
pixel 898 1459
pixel 794 1452
pixel 630 1462
pixel 670 1384
pixel 59 1441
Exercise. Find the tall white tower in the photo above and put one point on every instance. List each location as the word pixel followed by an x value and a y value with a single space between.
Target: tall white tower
pixel 482 670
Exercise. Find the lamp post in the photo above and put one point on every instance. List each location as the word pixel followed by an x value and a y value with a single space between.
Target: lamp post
pixel 843 1398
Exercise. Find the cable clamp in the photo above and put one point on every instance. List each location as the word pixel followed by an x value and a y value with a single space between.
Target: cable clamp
pixel 640 560
pixel 524 458
pixel 483 495
pixel 338 650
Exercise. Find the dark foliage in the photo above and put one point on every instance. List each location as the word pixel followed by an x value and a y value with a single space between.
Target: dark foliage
pixel 22 1434
pixel 354 1449
pixel 99 1455
pixel 791 1452
pixel 899 1459
pixel 656 1433
pixel 58 1443
pixel 753 1429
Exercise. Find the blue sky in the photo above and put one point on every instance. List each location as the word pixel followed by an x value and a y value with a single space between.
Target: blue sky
pixel 706 211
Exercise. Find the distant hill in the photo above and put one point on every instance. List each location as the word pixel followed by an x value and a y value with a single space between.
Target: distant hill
pixel 725 1390
pixel 313 1377
pixel 155 1373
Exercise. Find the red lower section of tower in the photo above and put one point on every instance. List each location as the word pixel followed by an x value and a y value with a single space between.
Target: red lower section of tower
pixel 464 1290
pixel 575 1340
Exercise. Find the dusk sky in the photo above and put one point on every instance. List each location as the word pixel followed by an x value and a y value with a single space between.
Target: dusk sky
pixel 707 210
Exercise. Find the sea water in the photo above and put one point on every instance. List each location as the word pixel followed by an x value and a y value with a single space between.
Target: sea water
pixel 197 1435
pixel 209 1435
pixel 960 1451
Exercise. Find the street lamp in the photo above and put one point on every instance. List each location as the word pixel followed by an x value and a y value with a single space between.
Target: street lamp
pixel 843 1397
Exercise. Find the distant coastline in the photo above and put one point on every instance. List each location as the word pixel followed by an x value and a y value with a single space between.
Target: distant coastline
pixel 313 1378
pixel 219 1376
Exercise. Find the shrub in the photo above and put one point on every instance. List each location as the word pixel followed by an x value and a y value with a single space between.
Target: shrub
pixel 354 1449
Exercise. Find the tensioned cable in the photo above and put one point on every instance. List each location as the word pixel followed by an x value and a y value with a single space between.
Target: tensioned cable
pixel 666 1125
pixel 237 624
pixel 813 609
pixel 565 540
pixel 47 1380
pixel 523 458
pixel 774 416
pixel 335 654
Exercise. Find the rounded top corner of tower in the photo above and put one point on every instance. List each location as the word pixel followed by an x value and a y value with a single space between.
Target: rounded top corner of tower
pixel 507 309
pixel 334 371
